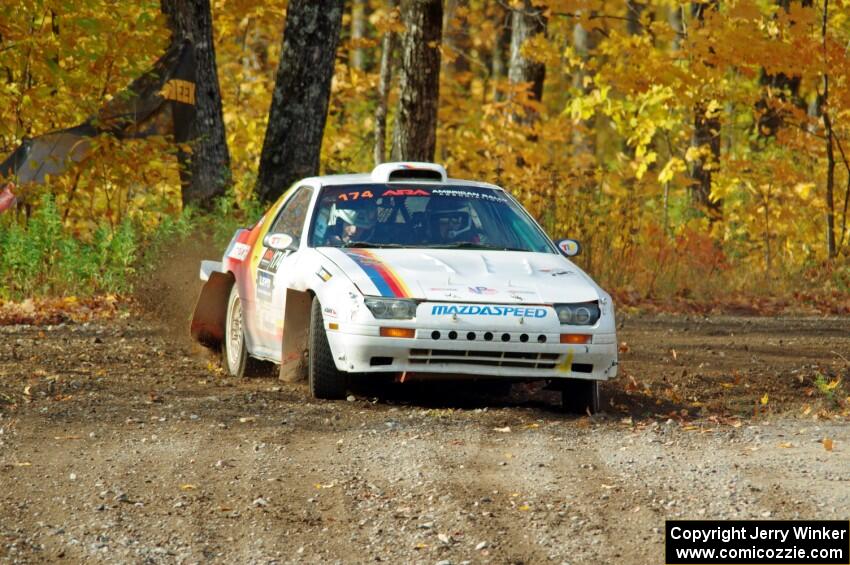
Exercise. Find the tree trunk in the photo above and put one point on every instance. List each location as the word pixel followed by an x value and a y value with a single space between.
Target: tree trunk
pixel 455 41
pixel 415 134
pixel 527 21
pixel 358 32
pixel 707 138
pixel 634 10
pixel 299 108
pixel 779 86
pixel 830 154
pixel 501 46
pixel 205 173
pixel 384 83
pixel 584 42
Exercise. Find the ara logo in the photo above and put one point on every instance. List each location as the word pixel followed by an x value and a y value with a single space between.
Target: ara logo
pixel 406 192
pixel 482 290
pixel 483 310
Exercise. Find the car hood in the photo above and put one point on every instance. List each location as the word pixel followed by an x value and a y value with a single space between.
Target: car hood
pixel 453 275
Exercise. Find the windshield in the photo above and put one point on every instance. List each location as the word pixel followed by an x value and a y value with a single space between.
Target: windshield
pixel 456 217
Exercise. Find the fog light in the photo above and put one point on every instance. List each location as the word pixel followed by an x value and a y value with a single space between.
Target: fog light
pixel 398 332
pixel 575 338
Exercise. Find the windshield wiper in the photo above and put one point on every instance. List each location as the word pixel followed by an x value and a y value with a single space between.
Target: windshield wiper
pixel 473 245
pixel 370 244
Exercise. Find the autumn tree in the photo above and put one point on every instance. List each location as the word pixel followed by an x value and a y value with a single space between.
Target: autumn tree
pixel 527 21
pixel 205 171
pixel 414 136
pixel 299 107
pixel 385 75
pixel 705 141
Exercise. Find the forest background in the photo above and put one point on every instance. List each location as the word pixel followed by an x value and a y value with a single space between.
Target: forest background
pixel 699 151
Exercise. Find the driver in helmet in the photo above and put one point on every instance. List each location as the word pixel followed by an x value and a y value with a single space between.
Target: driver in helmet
pixel 449 220
pixel 352 221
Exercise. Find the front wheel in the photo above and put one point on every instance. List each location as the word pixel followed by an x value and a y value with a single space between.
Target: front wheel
pixel 234 351
pixel 326 381
pixel 580 396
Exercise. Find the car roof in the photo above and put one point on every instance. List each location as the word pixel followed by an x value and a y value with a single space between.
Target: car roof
pixel 366 178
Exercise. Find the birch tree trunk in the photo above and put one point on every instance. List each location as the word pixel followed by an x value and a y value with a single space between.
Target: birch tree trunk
pixel 527 21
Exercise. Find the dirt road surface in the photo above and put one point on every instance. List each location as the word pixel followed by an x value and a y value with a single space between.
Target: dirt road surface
pixel 120 442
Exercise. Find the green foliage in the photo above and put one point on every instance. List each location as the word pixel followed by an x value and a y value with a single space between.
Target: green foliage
pixel 43 258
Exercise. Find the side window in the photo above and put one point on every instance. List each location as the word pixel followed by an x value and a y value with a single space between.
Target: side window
pixel 291 218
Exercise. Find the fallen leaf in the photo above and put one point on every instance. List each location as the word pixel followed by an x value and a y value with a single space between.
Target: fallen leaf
pixel 66 437
pixel 23 464
pixel 832 384
pixel 807 410
pixel 786 445
pixel 188 487
pixel 675 357
pixel 523 508
pixel 246 419
pixel 764 399
pixel 827 443
pixel 505 430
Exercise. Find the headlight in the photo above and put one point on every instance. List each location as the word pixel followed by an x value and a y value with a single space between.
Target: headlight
pixel 391 308
pixel 583 314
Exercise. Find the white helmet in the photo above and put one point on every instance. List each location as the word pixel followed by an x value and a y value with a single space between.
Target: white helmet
pixel 360 213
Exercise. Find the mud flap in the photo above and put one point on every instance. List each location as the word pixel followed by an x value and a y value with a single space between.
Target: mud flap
pixel 208 320
pixel 296 329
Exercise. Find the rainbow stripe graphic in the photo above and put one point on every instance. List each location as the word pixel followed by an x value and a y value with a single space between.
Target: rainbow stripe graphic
pixel 384 278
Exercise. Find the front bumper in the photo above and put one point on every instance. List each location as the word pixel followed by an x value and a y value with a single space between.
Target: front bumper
pixel 360 349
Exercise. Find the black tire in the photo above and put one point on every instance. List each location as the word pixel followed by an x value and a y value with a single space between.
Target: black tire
pixel 579 396
pixel 326 381
pixel 234 353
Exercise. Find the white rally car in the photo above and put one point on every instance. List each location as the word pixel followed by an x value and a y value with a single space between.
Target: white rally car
pixel 406 272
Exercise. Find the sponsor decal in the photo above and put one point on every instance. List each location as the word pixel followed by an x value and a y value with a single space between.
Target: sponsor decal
pixel 382 276
pixel 323 274
pixel 270 261
pixel 485 310
pixel 406 192
pixel 265 285
pixel 239 251
pixel 279 240
pixel 466 194
pixel 482 290
pixel 329 312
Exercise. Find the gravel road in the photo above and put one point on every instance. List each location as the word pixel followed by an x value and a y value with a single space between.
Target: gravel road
pixel 119 442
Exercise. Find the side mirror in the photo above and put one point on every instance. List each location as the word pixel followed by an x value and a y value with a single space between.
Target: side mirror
pixel 279 242
pixel 569 247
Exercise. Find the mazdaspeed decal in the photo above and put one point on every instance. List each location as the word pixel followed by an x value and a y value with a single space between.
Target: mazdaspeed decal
pixel 382 276
pixel 484 310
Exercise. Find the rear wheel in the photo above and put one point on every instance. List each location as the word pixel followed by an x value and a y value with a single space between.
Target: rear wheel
pixel 580 396
pixel 234 351
pixel 326 381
